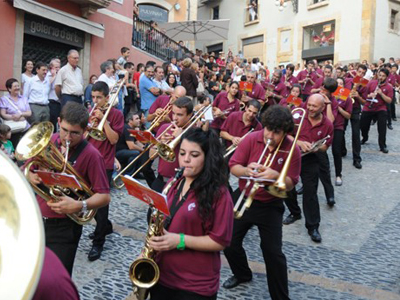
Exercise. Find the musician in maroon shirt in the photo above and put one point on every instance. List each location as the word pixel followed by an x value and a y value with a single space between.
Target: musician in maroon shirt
pixel 358 93
pixel 182 111
pixel 161 102
pixel 63 234
pixel 391 107
pixel 240 123
pixel 113 129
pixel 288 79
pixel 279 91
pixel 295 92
pixel 316 126
pixel 257 92
pixel 307 79
pixel 344 113
pixel 266 211
pixel 379 92
pixel 328 72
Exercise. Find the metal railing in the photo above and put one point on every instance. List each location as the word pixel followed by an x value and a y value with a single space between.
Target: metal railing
pixel 148 38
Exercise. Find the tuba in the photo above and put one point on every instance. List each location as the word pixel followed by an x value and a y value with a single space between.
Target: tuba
pixel 144 272
pixel 21 228
pixel 37 146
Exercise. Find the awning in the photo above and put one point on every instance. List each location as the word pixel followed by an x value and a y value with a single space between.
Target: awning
pixel 197 30
pixel 59 16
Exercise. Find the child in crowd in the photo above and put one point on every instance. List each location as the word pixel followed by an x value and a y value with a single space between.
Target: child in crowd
pixel 5 143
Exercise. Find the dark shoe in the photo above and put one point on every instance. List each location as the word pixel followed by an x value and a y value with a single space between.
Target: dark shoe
pixel 109 231
pixel 331 201
pixel 344 153
pixel 95 253
pixel 232 282
pixel 291 219
pixel 373 122
pixel 363 141
pixel 390 127
pixel 385 150
pixel 394 119
pixel 315 236
pixel 357 164
pixel 299 191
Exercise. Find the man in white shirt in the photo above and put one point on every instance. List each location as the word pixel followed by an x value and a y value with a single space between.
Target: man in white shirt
pixel 69 80
pixel 54 101
pixel 107 76
pixel 37 94
pixel 160 82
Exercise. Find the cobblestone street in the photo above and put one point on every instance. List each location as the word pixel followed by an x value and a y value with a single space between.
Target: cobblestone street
pixel 358 258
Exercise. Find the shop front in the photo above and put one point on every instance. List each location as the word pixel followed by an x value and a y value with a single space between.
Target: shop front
pixel 319 41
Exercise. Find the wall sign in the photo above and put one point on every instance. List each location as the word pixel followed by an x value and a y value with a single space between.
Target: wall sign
pixel 50 30
pixel 153 13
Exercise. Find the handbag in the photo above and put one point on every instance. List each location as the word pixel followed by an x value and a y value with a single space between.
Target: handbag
pixel 16 126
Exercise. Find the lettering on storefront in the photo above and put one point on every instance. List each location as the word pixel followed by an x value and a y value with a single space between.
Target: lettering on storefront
pixel 53 31
pixel 153 13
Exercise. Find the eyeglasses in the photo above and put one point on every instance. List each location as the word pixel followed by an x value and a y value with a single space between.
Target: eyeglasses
pixel 73 134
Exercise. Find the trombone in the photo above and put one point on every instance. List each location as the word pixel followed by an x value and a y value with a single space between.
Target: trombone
pixel 233 147
pixel 97 132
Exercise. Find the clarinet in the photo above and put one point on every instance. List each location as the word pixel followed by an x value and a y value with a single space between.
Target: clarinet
pixel 375 93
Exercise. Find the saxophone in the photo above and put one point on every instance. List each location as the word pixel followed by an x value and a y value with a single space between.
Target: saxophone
pixel 144 271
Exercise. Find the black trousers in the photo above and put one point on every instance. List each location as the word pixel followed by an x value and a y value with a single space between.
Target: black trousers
pixel 125 157
pixel 292 204
pixel 268 218
pixel 62 237
pixel 337 151
pixel 309 177
pixel 391 109
pixel 103 223
pixel 325 174
pixel 355 135
pixel 366 118
pixel 55 110
pixel 160 292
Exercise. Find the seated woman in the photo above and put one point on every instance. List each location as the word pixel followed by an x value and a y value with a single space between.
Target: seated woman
pixel 189 251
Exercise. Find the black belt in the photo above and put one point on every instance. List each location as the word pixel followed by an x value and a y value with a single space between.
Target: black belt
pixel 38 104
pixel 54 101
pixel 56 220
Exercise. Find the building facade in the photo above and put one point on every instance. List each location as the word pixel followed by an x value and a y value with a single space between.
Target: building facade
pixel 339 30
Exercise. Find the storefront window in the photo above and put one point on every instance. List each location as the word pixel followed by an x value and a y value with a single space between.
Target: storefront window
pixel 319 35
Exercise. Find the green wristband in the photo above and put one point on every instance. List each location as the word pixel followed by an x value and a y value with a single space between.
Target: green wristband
pixel 181 245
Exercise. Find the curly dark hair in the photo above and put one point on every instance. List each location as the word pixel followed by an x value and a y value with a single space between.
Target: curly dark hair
pixel 277 118
pixel 207 186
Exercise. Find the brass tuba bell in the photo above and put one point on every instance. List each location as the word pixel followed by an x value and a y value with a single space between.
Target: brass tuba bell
pixel 37 146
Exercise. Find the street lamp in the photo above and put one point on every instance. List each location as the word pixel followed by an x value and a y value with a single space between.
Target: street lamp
pixel 282 5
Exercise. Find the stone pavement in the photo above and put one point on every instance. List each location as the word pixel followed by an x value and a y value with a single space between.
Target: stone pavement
pixel 359 256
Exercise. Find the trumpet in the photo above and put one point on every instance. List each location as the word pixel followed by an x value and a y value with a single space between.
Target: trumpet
pixel 97 132
pixel 144 271
pixel 233 147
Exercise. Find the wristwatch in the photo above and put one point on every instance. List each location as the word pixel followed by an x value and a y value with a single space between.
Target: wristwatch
pixel 84 207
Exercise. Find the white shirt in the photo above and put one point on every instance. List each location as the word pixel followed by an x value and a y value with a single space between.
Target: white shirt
pixel 71 80
pixel 369 74
pixel 37 91
pixel 109 80
pixel 24 81
pixel 52 92
pixel 162 85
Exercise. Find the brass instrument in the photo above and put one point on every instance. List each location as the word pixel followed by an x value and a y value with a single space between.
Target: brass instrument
pixel 242 105
pixel 278 188
pixel 233 147
pixel 97 132
pixel 158 119
pixel 36 145
pixel 144 272
pixel 22 240
pixel 166 151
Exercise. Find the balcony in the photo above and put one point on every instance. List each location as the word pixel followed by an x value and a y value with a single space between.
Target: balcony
pixel 89 7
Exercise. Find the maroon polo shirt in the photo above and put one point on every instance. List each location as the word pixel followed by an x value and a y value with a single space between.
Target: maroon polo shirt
pixel 235 126
pixel 280 89
pixel 54 282
pixel 292 80
pixel 191 270
pixel 90 166
pixel 265 83
pixel 223 103
pixel 318 83
pixel 257 93
pixel 161 102
pixel 116 121
pixel 167 169
pixel 250 150
pixel 392 79
pixel 347 105
pixel 386 88
pixel 315 133
pixel 360 89
pixel 306 89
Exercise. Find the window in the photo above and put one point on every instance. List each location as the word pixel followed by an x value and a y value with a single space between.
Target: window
pixel 393 17
pixel 319 35
pixel 251 11
pixel 215 13
pixel 316 1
